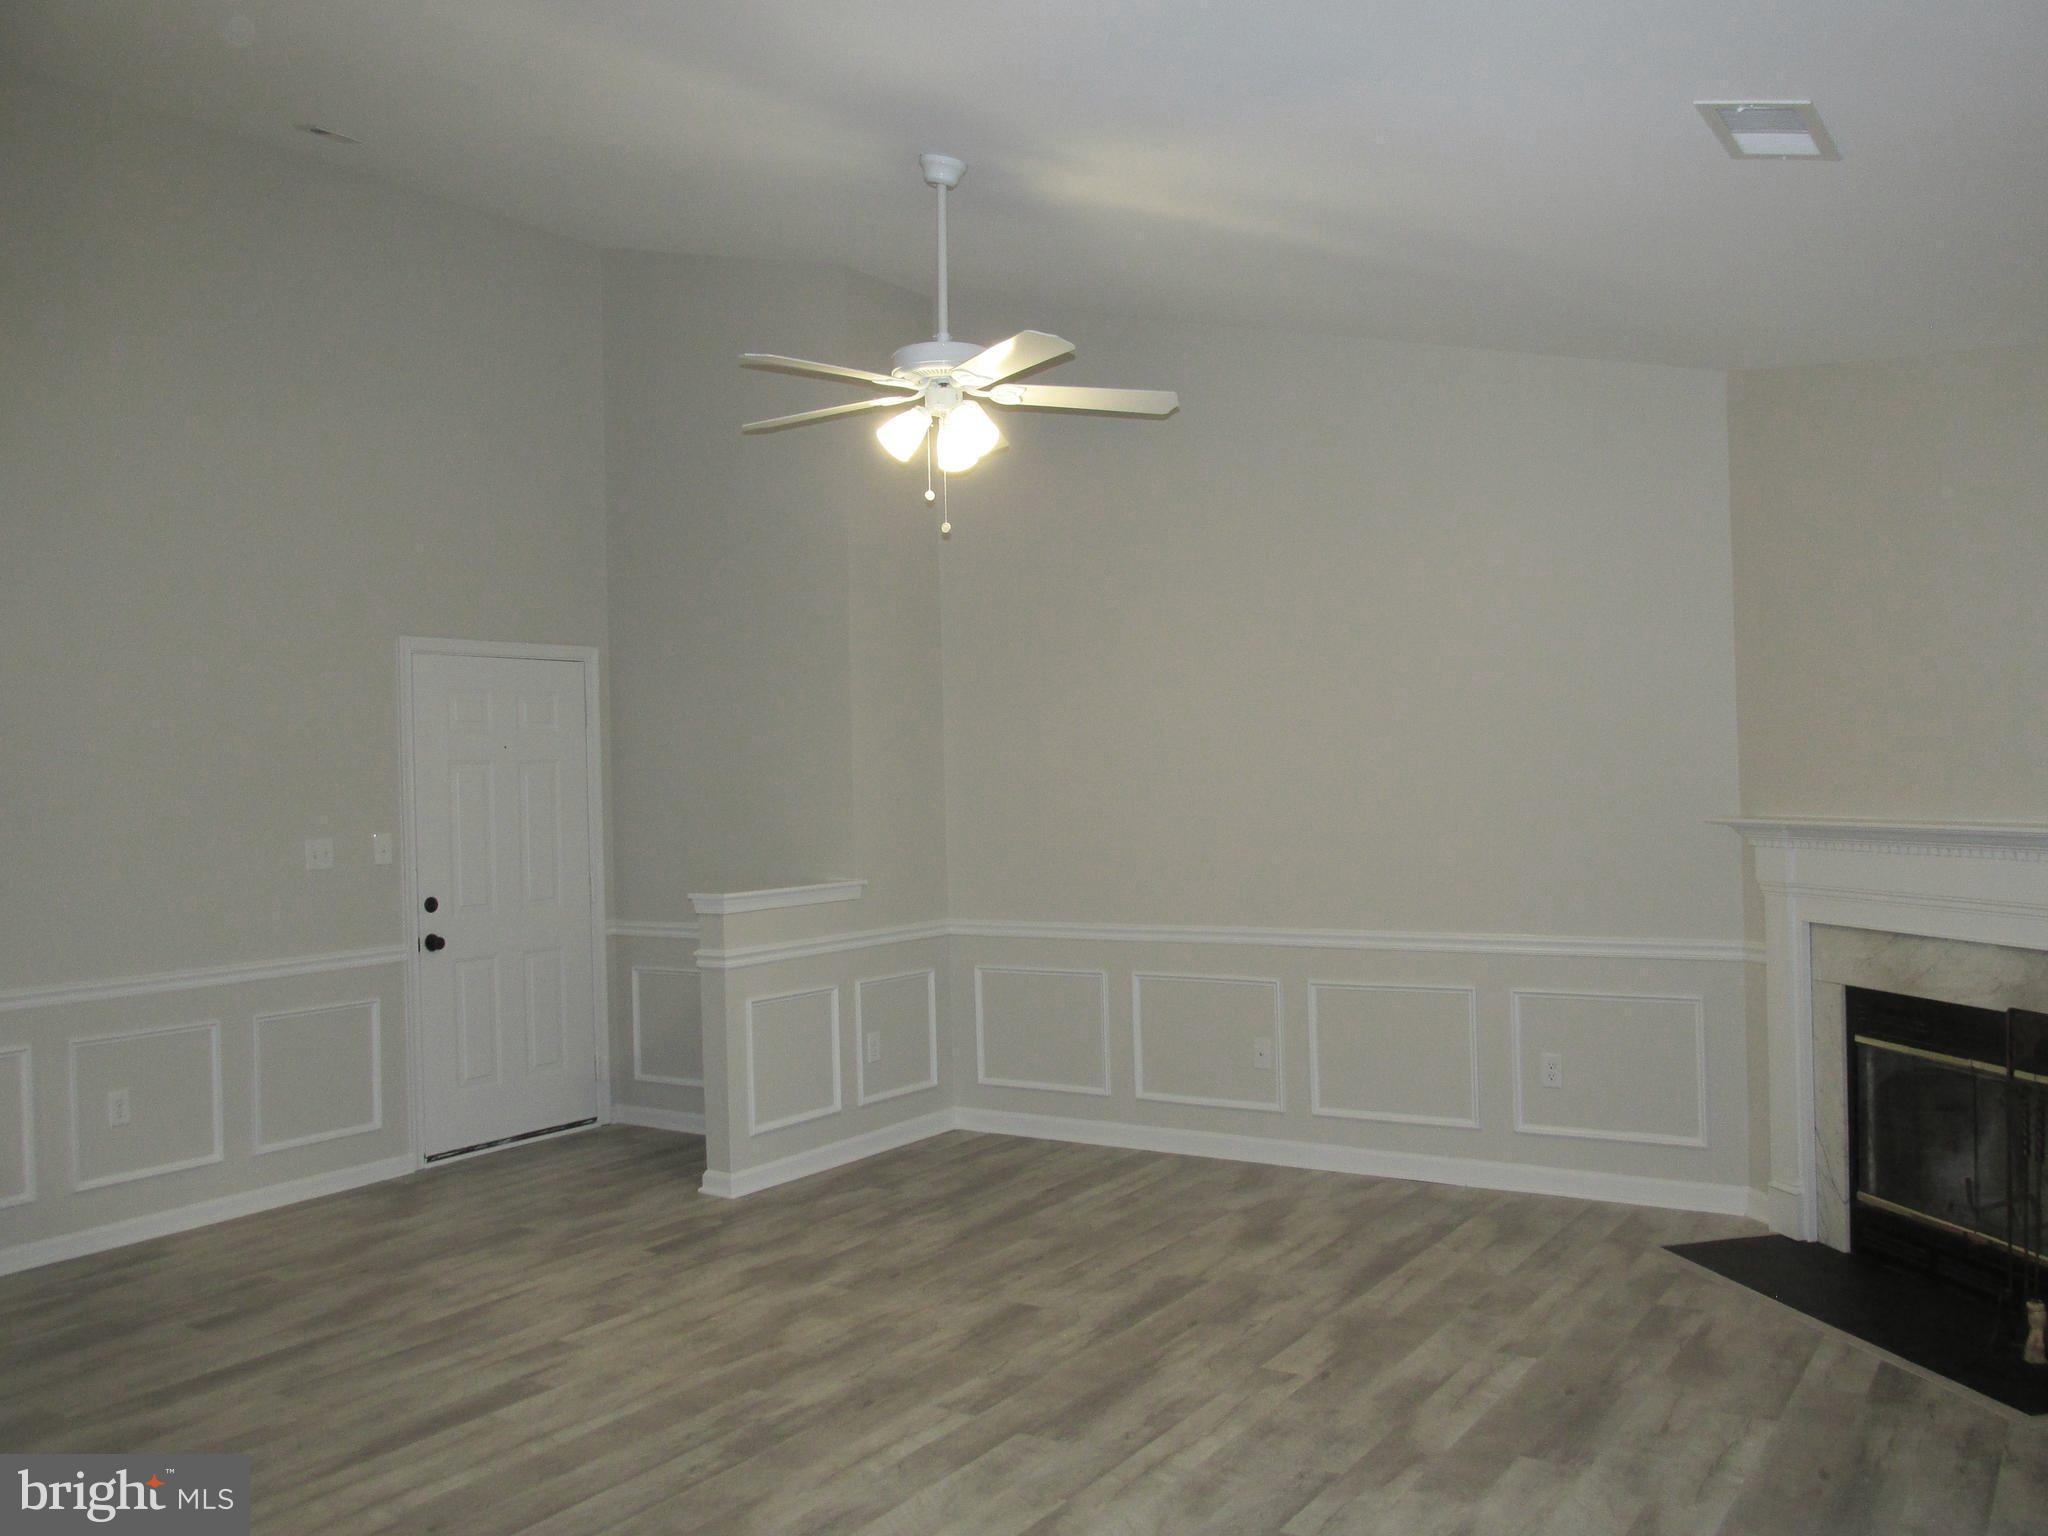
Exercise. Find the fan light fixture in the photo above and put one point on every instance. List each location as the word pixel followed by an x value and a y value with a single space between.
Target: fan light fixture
pixel 944 382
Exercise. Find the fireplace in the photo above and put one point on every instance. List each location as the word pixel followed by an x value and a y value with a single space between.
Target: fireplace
pixel 1948 1134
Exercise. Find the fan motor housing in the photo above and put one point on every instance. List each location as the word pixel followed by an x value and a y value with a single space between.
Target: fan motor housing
pixel 932 359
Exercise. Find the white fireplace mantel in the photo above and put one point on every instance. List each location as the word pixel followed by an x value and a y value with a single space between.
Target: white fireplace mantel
pixel 1981 883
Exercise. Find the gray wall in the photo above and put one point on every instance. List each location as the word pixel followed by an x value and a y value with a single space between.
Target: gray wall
pixel 258 418
pixel 773 600
pixel 1891 542
pixel 1369 635
pixel 774 627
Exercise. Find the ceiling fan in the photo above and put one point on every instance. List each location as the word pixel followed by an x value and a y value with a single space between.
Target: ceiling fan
pixel 943 381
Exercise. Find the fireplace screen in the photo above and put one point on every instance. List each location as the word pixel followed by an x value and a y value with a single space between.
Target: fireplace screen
pixel 1934 1140
pixel 1949 1134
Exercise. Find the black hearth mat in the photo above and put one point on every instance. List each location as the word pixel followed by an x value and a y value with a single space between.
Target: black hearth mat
pixel 1935 1327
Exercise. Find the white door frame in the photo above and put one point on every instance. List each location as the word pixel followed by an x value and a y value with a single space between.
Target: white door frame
pixel 584 656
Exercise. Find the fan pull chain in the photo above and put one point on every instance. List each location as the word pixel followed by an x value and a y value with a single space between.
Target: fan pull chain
pixel 945 512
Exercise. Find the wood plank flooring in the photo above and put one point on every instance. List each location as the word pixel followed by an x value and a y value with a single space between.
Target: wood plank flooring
pixel 985 1335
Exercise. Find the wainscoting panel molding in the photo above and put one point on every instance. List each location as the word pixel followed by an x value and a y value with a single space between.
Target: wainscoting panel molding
pixel 1450 1031
pixel 1040 1045
pixel 1620 1057
pixel 18 1172
pixel 1247 1009
pixel 144 1076
pixel 312 1065
pixel 792 1038
pixel 925 1027
pixel 641 1073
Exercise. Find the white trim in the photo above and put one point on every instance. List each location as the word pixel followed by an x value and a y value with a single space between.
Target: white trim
pixel 633 981
pixel 685 932
pixel 981 1043
pixel 724 903
pixel 1279 1103
pixel 1467 1172
pixel 585 656
pixel 1563 945
pixel 688 1122
pixel 1557 946
pixel 861 1096
pixel 118 1234
pixel 79 1183
pixel 198 978
pixel 376 1120
pixel 1783 1204
pixel 1584 1133
pixel 1925 901
pixel 1316 1106
pixel 26 1125
pixel 801 1165
pixel 2025 841
pixel 805 949
pixel 755 1125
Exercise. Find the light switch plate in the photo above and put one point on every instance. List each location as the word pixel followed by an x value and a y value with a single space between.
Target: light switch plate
pixel 380 847
pixel 874 1048
pixel 117 1106
pixel 319 853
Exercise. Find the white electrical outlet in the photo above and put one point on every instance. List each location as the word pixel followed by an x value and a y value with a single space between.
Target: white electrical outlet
pixel 117 1106
pixel 874 1048
pixel 1262 1054
pixel 319 853
pixel 1553 1070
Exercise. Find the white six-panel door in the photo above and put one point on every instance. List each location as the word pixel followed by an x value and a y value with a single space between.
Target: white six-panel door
pixel 507 1002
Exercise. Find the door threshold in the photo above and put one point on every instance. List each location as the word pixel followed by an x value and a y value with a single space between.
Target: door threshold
pixel 509 1141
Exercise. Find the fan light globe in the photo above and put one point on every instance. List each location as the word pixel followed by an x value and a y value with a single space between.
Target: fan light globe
pixel 903 435
pixel 964 436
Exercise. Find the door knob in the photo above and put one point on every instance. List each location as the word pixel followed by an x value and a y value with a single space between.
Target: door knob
pixel 432 942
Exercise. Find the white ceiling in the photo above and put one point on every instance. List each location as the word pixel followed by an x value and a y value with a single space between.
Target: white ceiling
pixel 1524 175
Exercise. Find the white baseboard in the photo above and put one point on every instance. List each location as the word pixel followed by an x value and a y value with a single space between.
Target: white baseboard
pixel 118 1234
pixel 1471 1172
pixel 689 1122
pixel 801 1165
pixel 1784 1209
pixel 1618 1188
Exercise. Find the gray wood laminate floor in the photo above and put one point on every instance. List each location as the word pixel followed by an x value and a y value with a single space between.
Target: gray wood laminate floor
pixel 981 1334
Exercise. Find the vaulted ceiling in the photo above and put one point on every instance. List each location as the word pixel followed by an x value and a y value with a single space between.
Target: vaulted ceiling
pixel 1523 175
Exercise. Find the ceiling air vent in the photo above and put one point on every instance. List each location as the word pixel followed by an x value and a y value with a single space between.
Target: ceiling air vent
pixel 1769 130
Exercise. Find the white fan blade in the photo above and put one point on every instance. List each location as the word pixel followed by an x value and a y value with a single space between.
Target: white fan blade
pixel 775 423
pixel 1067 397
pixel 1026 349
pixel 823 370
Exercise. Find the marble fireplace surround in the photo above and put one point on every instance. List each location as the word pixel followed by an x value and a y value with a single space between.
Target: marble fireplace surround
pixel 1951 911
